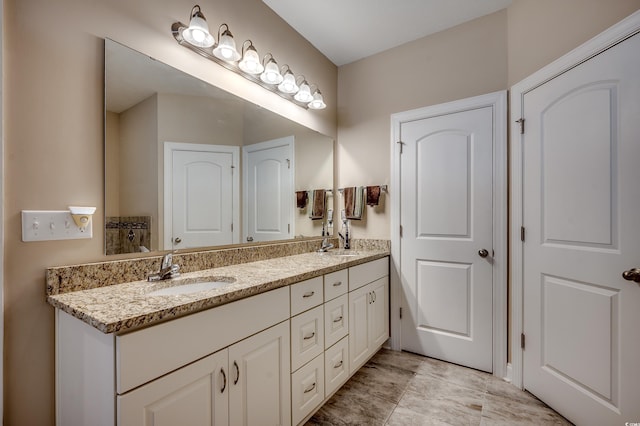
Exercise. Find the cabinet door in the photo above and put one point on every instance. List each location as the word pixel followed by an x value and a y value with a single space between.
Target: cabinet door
pixel 259 367
pixel 379 312
pixel 336 366
pixel 196 395
pixel 307 389
pixel 307 337
pixel 359 345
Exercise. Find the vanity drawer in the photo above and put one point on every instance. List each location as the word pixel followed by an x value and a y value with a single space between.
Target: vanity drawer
pixel 307 337
pixel 336 284
pixel 336 366
pixel 306 295
pixel 146 354
pixel 307 389
pixel 368 272
pixel 336 320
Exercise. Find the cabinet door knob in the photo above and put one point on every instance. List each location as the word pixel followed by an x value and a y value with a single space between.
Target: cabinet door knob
pixel 224 380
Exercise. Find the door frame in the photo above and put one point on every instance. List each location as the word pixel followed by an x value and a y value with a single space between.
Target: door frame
pixel 288 141
pixel 167 218
pixel 605 40
pixel 497 101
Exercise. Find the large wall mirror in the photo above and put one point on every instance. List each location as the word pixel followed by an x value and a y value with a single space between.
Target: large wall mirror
pixel 189 165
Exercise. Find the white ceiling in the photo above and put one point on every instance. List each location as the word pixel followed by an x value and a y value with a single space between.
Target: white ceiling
pixel 348 30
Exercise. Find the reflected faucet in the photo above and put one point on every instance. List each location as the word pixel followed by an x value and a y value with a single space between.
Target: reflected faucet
pixel 326 245
pixel 346 238
pixel 167 270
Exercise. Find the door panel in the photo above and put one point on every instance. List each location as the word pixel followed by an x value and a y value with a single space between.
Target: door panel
pixel 447 217
pixel 202 197
pixel 581 200
pixel 268 190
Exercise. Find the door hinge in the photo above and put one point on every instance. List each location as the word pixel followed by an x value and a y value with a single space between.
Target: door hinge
pixel 232 227
pixel 400 313
pixel 232 167
pixel 521 122
pixel 288 228
pixel 522 340
pixel 400 231
pixel 401 145
pixel 288 163
pixel 522 233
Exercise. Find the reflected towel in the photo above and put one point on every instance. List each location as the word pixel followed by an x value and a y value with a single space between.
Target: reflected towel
pixel 318 198
pixel 301 199
pixel 373 195
pixel 354 202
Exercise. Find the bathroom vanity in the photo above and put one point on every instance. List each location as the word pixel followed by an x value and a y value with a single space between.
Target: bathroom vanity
pixel 267 349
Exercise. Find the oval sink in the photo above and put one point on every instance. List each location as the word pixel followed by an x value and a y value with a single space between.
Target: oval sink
pixel 193 287
pixel 341 253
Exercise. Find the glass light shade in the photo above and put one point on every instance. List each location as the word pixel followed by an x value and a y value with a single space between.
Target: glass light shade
pixel 318 101
pixel 304 94
pixel 271 73
pixel 198 32
pixel 226 48
pixel 250 62
pixel 288 84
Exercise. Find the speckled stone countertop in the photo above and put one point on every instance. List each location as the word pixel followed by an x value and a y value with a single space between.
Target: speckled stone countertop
pixel 124 307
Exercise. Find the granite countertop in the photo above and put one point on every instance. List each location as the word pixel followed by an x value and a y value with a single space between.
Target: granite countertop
pixel 124 307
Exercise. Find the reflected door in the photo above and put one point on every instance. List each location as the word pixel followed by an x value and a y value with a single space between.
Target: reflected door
pixel 268 190
pixel 203 194
pixel 581 211
pixel 447 220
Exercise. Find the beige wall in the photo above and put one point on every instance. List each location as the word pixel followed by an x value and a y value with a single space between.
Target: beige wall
pixel 53 82
pixel 467 60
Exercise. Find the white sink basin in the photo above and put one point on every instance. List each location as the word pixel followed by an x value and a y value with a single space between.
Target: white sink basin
pixel 180 289
pixel 341 253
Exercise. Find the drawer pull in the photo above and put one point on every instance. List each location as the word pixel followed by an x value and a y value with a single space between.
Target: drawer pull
pixel 338 365
pixel 310 388
pixel 309 336
pixel 235 364
pixel 338 319
pixel 309 294
pixel 224 380
pixel 337 284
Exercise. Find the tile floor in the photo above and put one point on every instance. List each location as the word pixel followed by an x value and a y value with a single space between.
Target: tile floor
pixel 400 388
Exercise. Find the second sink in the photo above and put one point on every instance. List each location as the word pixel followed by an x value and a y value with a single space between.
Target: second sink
pixel 193 287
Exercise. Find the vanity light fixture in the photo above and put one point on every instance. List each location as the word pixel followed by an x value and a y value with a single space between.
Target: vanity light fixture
pixel 288 84
pixel 265 73
pixel 304 92
pixel 226 48
pixel 250 62
pixel 197 33
pixel 318 101
pixel 271 73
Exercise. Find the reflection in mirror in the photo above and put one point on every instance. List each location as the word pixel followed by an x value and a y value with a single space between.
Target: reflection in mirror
pixel 189 165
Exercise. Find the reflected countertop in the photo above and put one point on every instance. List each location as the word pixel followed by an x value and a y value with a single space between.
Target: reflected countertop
pixel 124 307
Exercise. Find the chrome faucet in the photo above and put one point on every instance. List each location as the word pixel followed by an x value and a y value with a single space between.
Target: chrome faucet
pixel 167 270
pixel 326 245
pixel 346 238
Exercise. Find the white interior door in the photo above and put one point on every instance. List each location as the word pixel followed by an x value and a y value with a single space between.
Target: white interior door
pixel 201 195
pixel 581 213
pixel 446 215
pixel 268 190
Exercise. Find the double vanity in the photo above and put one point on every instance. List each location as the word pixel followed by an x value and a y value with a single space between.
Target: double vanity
pixel 258 343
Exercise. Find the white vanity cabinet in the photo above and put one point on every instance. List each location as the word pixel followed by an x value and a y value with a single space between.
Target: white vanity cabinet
pixel 368 310
pixel 176 367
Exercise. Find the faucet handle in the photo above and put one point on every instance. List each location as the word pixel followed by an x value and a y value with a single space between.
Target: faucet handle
pixel 167 260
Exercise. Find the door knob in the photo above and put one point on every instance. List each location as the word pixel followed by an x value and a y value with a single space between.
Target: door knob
pixel 632 275
pixel 177 240
pixel 483 253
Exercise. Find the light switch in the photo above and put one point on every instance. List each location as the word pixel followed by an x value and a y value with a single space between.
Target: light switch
pixel 43 225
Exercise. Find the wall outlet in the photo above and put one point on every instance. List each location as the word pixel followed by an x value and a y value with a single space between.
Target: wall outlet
pixel 43 225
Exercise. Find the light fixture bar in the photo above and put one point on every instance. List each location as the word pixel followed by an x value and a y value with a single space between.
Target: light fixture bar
pixel 178 27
